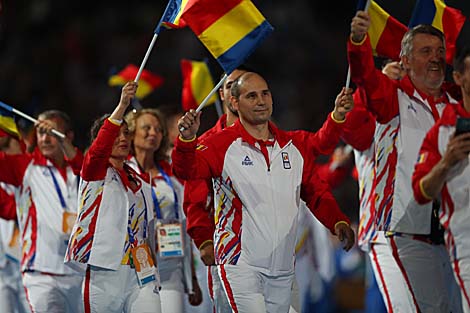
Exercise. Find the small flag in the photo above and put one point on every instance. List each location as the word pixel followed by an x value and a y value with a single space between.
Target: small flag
pixel 171 16
pixel 147 83
pixel 448 20
pixel 197 83
pixel 230 29
pixel 385 31
pixel 8 124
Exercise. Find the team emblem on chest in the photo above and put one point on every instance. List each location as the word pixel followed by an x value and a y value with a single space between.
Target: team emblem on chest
pixel 285 160
pixel 247 161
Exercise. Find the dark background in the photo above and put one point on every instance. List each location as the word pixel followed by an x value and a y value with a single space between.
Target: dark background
pixel 59 54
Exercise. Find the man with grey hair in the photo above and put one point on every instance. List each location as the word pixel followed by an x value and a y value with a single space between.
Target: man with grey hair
pixel 405 110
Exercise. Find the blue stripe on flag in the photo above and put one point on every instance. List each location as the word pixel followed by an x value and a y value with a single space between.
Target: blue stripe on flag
pixel 169 16
pixel 239 52
pixel 423 13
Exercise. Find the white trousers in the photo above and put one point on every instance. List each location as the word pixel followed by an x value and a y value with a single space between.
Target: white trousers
pixel 461 269
pixel 427 269
pixel 12 293
pixel 172 292
pixel 249 290
pixel 47 293
pixel 217 292
pixel 118 291
pixel 396 293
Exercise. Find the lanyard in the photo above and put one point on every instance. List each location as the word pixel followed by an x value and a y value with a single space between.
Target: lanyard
pixel 59 192
pixel 155 200
pixel 130 232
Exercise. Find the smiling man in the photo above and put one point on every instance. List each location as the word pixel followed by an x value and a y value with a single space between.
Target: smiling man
pixel 405 110
pixel 260 173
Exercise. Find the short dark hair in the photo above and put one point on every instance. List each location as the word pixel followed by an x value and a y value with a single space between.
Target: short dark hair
pixel 407 41
pixel 459 59
pixel 51 114
pixel 235 90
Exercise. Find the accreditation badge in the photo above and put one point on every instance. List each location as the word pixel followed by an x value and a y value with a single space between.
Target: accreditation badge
pixel 143 264
pixel 170 240
pixel 68 220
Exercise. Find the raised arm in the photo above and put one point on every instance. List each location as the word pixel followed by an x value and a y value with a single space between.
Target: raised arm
pixel 381 91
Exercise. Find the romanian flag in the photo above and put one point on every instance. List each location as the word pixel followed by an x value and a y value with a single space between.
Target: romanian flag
pixel 171 16
pixel 7 123
pixel 147 83
pixel 230 29
pixel 385 31
pixel 448 20
pixel 197 83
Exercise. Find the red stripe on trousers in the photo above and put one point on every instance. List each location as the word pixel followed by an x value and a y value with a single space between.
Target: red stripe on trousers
pixel 228 289
pixel 381 276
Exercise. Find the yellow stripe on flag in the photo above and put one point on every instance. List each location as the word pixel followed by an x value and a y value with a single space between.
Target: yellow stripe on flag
pixel 437 22
pixel 8 124
pixel 245 15
pixel 378 20
pixel 202 83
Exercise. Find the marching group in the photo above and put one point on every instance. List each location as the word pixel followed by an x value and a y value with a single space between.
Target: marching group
pixel 116 229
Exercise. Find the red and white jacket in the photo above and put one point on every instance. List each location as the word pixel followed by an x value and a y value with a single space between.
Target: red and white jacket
pixel 39 208
pixel 404 115
pixel 257 193
pixel 454 214
pixel 9 239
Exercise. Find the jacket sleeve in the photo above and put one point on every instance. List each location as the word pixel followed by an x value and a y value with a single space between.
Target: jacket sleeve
pixel 429 156
pixel 77 162
pixel 199 215
pixel 325 140
pixel 96 160
pixel 7 205
pixel 189 163
pixel 381 91
pixel 333 176
pixel 359 128
pixel 13 167
pixel 319 199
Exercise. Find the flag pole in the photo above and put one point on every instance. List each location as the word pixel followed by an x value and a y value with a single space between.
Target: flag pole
pixel 211 93
pixel 25 116
pixel 147 54
pixel 348 76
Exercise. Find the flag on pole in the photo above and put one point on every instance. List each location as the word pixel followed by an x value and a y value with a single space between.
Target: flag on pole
pixel 171 16
pixel 230 29
pixel 197 83
pixel 147 83
pixel 8 124
pixel 448 20
pixel 385 31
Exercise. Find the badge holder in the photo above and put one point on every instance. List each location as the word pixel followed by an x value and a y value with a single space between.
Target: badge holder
pixel 170 240
pixel 143 264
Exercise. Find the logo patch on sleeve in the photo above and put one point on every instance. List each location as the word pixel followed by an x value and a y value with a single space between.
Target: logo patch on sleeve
pixel 285 160
pixel 201 147
pixel 422 157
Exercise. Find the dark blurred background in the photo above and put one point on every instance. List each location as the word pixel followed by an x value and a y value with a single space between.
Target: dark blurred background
pixel 59 54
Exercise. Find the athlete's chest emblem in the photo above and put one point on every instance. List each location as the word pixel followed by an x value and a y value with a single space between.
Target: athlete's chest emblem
pixel 285 160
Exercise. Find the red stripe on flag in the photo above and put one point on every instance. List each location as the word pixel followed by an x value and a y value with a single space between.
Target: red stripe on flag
pixel 206 12
pixel 452 23
pixel 187 98
pixel 390 40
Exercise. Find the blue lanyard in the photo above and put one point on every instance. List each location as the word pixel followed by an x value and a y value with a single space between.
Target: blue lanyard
pixel 59 192
pixel 155 200
pixel 130 232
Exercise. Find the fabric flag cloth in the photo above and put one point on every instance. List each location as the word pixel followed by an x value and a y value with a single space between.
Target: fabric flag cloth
pixel 8 124
pixel 230 29
pixel 197 84
pixel 171 16
pixel 147 83
pixel 385 31
pixel 448 20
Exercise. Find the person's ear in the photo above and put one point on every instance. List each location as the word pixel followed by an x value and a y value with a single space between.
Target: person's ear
pixel 457 78
pixel 234 102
